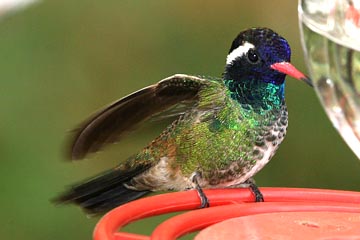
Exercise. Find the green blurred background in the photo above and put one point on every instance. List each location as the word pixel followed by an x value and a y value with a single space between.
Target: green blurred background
pixel 62 60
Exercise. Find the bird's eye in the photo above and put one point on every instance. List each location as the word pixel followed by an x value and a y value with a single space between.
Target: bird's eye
pixel 252 56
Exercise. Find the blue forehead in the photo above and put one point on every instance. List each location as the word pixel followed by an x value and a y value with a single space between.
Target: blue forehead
pixel 274 50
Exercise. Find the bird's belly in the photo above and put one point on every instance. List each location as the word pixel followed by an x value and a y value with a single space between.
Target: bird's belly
pixel 240 171
pixel 240 179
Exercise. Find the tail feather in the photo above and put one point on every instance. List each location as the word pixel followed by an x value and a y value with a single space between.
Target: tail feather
pixel 110 199
pixel 104 192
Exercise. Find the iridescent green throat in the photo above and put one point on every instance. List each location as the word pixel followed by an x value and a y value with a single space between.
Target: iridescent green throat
pixel 261 96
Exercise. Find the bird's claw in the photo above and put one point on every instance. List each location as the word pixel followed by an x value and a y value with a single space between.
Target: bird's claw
pixel 256 191
pixel 203 198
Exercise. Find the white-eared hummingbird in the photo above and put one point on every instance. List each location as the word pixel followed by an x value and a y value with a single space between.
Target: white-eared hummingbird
pixel 226 129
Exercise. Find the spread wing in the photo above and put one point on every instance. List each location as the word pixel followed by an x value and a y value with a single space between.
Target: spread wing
pixel 109 124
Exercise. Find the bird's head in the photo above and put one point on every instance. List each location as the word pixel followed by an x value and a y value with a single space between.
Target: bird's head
pixel 258 59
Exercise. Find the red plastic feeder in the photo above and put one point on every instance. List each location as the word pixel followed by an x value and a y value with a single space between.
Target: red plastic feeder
pixel 287 213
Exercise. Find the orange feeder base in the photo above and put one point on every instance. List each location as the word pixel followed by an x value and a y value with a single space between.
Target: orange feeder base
pixel 287 225
pixel 287 213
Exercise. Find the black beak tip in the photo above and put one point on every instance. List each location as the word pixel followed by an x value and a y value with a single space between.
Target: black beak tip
pixel 308 81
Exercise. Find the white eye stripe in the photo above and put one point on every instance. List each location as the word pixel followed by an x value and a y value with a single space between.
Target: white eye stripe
pixel 238 52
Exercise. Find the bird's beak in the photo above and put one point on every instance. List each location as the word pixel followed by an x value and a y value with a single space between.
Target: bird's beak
pixel 287 68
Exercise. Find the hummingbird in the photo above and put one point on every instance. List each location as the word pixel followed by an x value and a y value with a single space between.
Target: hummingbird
pixel 226 129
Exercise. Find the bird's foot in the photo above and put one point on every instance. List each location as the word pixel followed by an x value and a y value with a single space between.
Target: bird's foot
pixel 203 198
pixel 255 190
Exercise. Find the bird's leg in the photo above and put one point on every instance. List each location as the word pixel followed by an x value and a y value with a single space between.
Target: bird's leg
pixel 255 190
pixel 204 200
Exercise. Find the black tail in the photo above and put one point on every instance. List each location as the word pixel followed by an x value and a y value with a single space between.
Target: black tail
pixel 104 192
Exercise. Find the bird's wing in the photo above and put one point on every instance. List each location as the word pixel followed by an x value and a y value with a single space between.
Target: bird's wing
pixel 109 124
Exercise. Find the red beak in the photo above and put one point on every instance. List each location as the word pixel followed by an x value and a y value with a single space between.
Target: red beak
pixel 287 68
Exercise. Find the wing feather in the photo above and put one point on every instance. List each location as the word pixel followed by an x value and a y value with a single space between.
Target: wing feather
pixel 109 124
